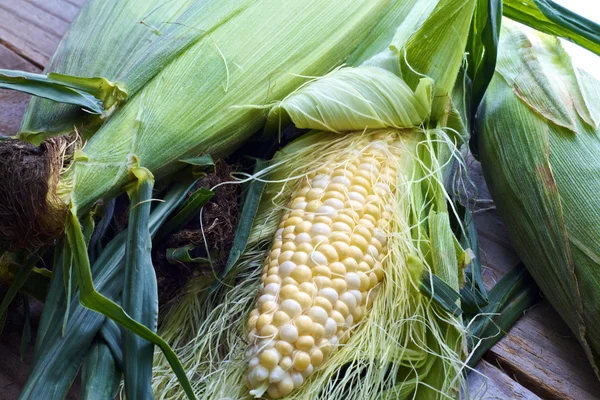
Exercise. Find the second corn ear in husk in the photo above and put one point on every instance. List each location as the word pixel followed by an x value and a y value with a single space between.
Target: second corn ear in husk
pixel 540 147
pixel 198 88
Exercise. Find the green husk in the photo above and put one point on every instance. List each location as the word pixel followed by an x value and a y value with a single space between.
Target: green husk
pixel 89 49
pixel 539 146
pixel 555 19
pixel 140 291
pixel 195 100
pixel 100 374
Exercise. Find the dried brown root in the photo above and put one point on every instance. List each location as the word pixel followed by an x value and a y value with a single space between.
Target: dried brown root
pixel 31 214
pixel 219 220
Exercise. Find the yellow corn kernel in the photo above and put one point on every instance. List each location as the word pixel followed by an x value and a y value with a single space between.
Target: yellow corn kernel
pixel 320 274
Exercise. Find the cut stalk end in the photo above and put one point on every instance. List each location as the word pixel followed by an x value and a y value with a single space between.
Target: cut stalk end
pixel 31 212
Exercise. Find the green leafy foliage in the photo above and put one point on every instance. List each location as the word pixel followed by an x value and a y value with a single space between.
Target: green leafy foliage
pixel 548 17
pixel 482 48
pixel 18 282
pixel 184 255
pixel 59 356
pixel 26 335
pixel 251 203
pixel 140 292
pixel 434 287
pixel 100 374
pixel 92 94
pixel 93 300
pixel 508 299
pixel 190 208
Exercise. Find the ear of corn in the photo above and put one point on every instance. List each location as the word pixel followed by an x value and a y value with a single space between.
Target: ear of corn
pixel 363 311
pixel 245 53
pixel 325 262
pixel 326 297
pixel 539 140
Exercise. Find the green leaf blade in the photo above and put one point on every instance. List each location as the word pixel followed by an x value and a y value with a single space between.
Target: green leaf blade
pixel 100 373
pixel 249 210
pixel 18 282
pixel 140 292
pixel 58 357
pixel 548 17
pixel 191 207
pixel 44 87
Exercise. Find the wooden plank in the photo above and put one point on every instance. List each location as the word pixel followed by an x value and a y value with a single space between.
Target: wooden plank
pixel 59 8
pixel 489 382
pixel 32 33
pixel 35 27
pixel 38 16
pixel 543 355
pixel 12 104
pixel 26 39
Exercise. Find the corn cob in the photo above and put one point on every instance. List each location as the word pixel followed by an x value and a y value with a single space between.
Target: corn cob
pixel 324 263
pixel 391 335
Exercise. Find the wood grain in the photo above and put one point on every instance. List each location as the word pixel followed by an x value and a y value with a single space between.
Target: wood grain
pixel 61 9
pixel 12 104
pixel 543 355
pixel 488 382
pixel 33 28
pixel 30 31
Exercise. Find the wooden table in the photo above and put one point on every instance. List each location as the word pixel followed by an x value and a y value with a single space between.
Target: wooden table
pixel 539 357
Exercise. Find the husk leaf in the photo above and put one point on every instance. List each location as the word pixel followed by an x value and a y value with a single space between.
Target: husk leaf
pixel 231 68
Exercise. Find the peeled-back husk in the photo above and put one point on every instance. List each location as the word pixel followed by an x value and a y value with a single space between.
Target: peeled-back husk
pixel 539 145
pixel 194 77
pixel 197 73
